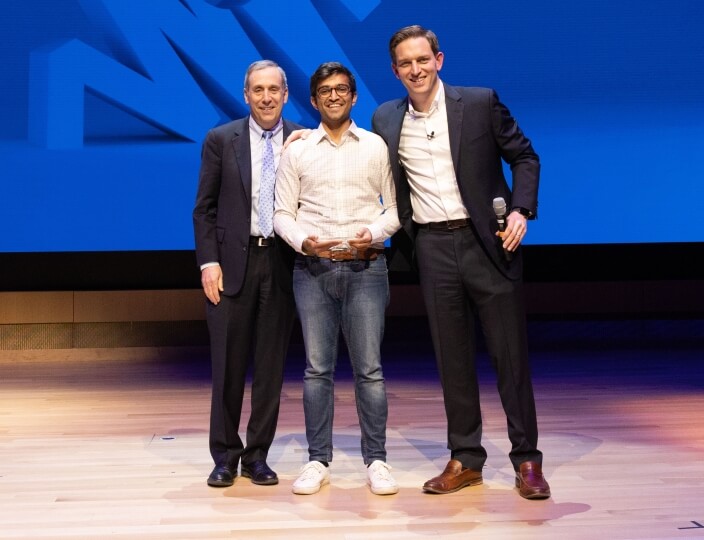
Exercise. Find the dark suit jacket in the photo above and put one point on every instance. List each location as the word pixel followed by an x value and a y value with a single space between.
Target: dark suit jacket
pixel 482 134
pixel 223 209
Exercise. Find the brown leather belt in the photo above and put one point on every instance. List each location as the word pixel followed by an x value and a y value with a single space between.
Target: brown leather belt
pixel 444 225
pixel 260 241
pixel 369 254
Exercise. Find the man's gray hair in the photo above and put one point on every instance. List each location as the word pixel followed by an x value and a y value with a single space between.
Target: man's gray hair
pixel 263 64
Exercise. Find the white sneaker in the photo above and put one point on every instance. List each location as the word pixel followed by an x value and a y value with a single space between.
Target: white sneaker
pixel 380 480
pixel 312 477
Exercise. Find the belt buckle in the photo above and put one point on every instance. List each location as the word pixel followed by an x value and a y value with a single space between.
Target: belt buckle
pixel 262 242
pixel 340 252
pixel 458 224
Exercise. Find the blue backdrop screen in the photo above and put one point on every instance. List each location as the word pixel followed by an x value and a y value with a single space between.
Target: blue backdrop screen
pixel 105 104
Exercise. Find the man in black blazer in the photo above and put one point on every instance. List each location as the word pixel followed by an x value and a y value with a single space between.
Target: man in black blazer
pixel 246 276
pixel 446 147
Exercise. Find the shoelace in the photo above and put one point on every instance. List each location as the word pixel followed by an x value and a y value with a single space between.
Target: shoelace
pixel 382 472
pixel 309 472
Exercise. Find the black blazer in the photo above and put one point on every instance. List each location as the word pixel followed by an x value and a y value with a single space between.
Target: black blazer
pixel 482 134
pixel 223 209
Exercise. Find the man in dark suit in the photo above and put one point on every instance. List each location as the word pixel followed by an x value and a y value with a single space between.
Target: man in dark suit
pixel 246 275
pixel 446 147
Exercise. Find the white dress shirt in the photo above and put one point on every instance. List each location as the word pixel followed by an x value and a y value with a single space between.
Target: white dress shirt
pixel 333 190
pixel 256 142
pixel 424 152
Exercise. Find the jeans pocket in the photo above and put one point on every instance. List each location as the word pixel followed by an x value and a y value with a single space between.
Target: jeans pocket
pixel 377 266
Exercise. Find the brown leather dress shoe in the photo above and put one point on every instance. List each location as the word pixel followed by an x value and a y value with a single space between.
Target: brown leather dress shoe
pixel 453 478
pixel 530 481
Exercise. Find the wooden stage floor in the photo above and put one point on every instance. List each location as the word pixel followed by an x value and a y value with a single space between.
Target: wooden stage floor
pixel 112 443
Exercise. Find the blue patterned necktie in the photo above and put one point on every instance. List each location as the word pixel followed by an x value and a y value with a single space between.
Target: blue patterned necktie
pixel 266 188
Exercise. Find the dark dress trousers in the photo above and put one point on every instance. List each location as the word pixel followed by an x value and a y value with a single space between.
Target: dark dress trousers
pixel 253 321
pixel 465 275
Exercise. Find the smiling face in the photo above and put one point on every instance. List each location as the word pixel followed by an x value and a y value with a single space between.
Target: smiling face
pixel 266 95
pixel 334 108
pixel 417 67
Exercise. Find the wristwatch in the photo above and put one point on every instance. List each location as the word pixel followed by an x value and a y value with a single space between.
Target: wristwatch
pixel 523 211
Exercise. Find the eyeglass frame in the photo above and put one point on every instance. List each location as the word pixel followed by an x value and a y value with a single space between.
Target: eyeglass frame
pixel 341 90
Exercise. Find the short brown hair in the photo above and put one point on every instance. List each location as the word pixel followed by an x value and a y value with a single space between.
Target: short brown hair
pixel 412 31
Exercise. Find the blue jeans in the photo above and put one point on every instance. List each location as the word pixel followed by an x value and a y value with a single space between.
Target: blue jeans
pixel 351 295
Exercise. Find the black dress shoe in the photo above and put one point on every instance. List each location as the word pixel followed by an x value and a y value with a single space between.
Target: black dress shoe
pixel 222 476
pixel 260 473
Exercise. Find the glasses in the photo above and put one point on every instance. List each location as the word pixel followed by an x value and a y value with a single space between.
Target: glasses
pixel 326 91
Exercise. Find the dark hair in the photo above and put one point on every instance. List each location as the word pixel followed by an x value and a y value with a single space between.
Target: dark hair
pixel 328 69
pixel 413 31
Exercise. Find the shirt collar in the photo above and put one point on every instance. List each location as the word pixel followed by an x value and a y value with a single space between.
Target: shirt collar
pixel 319 134
pixel 258 131
pixel 437 104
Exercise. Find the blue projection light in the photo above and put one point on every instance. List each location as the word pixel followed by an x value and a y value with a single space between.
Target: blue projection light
pixel 106 103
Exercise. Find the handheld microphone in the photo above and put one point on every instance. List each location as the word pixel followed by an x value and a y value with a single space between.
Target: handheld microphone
pixel 500 210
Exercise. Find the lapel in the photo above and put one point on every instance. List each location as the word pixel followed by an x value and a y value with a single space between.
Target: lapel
pixel 390 130
pixel 241 146
pixel 455 109
pixel 389 127
pixel 395 126
pixel 287 129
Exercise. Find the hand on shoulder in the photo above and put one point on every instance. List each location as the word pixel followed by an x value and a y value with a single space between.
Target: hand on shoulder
pixel 295 135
